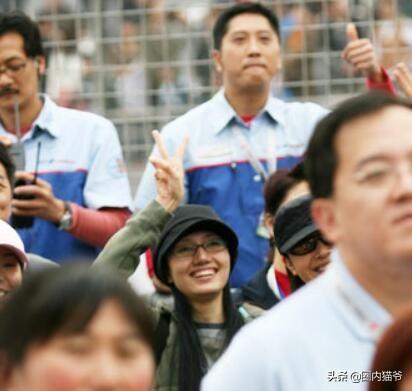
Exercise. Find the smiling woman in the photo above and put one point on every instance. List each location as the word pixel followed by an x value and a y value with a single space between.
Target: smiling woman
pixel 194 257
pixel 194 254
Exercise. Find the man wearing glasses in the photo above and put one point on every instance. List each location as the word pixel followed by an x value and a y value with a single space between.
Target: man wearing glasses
pixel 76 187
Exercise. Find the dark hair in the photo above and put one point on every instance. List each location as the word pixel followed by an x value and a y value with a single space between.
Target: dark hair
pixel 394 352
pixel 321 159
pixel 64 300
pixel 18 22
pixel 7 162
pixel 188 352
pixel 278 185
pixel 221 25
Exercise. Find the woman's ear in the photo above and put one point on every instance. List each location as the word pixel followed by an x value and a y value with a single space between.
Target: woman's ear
pixel 289 265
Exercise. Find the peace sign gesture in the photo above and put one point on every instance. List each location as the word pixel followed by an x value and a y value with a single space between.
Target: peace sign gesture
pixel 169 173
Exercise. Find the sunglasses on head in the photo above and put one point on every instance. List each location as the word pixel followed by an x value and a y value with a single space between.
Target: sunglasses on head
pixel 308 244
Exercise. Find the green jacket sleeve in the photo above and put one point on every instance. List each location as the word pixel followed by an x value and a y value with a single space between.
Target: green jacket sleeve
pixel 141 232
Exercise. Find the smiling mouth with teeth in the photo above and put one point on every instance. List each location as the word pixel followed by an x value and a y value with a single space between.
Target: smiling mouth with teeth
pixel 203 273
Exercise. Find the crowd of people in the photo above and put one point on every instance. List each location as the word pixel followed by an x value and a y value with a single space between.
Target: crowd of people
pixel 275 234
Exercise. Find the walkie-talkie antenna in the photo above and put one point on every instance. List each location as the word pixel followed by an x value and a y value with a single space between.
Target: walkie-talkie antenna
pixel 36 170
pixel 17 117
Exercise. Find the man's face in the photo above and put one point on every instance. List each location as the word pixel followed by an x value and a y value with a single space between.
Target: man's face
pixel 249 56
pixel 369 216
pixel 18 73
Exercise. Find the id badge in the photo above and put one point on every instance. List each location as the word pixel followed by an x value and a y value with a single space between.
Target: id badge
pixel 261 230
pixel 18 155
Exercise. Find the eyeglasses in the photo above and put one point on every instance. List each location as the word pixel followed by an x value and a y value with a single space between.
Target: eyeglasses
pixel 308 245
pixel 188 250
pixel 13 69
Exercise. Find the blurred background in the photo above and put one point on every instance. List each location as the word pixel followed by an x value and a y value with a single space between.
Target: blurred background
pixel 143 62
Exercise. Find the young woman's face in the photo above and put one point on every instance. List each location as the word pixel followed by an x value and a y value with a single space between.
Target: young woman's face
pixel 199 271
pixel 10 272
pixel 108 355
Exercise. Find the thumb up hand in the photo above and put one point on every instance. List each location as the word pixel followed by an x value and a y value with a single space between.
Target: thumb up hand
pixel 351 32
pixel 360 53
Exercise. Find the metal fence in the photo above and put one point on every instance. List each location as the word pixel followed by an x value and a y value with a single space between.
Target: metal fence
pixel 143 62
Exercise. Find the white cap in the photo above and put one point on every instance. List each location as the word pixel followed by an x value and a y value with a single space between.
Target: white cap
pixel 10 239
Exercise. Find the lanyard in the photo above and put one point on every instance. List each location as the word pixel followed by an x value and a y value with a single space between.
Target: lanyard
pixel 252 158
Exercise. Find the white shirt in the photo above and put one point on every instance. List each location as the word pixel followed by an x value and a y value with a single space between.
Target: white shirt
pixel 326 329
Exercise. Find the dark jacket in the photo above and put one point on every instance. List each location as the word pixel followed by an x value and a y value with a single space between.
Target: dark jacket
pixel 257 291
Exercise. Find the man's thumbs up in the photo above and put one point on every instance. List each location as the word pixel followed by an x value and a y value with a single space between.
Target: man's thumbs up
pixel 351 32
pixel 360 53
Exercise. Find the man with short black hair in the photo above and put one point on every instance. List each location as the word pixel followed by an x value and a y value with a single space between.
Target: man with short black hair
pixel 358 165
pixel 79 195
pixel 242 134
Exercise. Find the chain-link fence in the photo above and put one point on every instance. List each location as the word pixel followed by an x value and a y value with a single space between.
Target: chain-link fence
pixel 143 62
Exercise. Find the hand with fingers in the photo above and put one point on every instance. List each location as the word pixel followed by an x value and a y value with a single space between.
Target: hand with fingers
pixel 403 77
pixel 361 54
pixel 169 173
pixel 43 203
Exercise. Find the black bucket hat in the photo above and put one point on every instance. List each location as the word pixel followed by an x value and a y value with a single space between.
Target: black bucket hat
pixel 292 223
pixel 188 219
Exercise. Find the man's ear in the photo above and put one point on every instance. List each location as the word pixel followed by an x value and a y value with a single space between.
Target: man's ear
pixel 324 215
pixel 41 65
pixel 217 60
pixel 279 63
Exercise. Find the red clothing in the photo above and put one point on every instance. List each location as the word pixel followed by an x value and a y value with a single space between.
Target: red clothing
pixel 283 283
pixel 96 227
pixel 247 119
pixel 385 85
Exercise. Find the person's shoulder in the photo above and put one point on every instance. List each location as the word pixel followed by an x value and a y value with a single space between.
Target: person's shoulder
pixel 194 117
pixel 37 262
pixel 301 107
pixel 88 120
